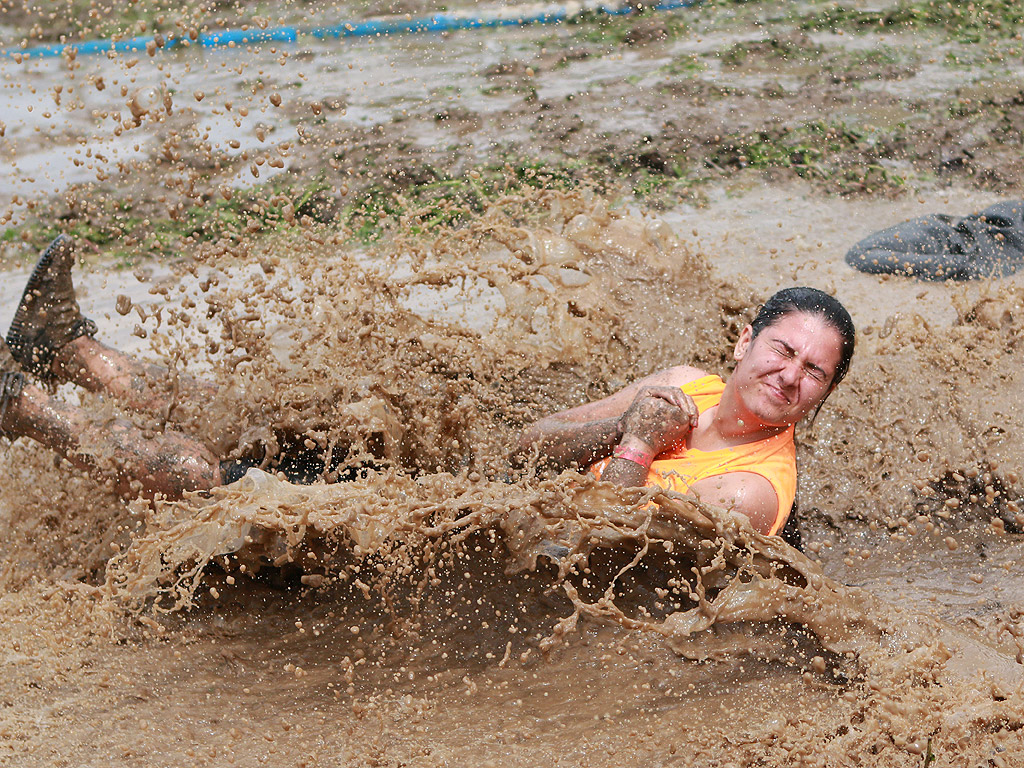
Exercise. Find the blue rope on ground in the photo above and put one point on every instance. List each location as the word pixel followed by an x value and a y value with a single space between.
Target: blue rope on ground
pixel 442 22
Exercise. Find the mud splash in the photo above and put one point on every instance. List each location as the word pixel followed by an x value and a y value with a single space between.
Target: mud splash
pixel 429 589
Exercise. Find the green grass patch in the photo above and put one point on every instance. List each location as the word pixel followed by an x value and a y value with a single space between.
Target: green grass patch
pixel 875 63
pixel 126 236
pixel 875 56
pixel 281 206
pixel 662 191
pixel 782 48
pixel 848 159
pixel 965 107
pixel 969 22
pixel 527 90
pixel 687 65
pixel 989 55
pixel 447 201
pixel 601 29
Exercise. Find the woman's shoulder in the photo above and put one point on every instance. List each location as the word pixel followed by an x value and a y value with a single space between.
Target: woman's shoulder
pixel 677 376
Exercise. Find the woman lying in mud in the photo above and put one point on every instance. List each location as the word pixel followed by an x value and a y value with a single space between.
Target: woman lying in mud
pixel 728 443
pixel 731 444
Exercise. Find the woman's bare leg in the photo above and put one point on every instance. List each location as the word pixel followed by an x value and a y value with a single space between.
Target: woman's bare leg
pixel 50 338
pixel 142 387
pixel 168 464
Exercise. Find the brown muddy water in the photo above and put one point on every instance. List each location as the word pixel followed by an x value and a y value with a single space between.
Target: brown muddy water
pixel 430 608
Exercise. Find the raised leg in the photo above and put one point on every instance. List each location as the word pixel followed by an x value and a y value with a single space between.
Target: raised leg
pixel 142 387
pixel 51 339
pixel 168 464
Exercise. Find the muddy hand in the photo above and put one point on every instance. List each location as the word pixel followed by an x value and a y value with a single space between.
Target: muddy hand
pixel 661 417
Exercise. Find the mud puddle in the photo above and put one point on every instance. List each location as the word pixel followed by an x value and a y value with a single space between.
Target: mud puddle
pixel 366 637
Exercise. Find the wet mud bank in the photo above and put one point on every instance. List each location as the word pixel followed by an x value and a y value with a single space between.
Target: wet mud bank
pixel 207 145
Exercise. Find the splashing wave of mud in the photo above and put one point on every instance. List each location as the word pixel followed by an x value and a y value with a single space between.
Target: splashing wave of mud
pixel 405 374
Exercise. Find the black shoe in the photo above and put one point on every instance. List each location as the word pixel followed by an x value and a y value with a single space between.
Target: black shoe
pixel 12 381
pixel 48 316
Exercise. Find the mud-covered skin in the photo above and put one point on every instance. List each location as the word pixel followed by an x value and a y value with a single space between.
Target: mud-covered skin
pixel 131 461
pixel 142 387
pixel 116 451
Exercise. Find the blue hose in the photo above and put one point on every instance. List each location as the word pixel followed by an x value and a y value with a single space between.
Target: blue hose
pixel 441 22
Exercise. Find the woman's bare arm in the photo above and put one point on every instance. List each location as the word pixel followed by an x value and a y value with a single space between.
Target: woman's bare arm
pixel 587 433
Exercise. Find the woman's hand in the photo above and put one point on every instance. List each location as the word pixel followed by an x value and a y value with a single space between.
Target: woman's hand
pixel 660 417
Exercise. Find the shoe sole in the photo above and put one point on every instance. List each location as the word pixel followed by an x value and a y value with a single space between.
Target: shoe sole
pixel 19 345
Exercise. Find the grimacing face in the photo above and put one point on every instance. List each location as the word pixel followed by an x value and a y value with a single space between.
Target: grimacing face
pixel 787 370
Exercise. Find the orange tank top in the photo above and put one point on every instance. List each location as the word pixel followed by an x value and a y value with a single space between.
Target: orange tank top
pixel 773 458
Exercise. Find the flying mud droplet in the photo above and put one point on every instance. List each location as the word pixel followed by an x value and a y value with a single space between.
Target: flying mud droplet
pixel 275 99
pixel 123 305
pixel 144 100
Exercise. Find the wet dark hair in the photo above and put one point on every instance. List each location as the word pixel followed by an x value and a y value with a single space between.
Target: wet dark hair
pixel 813 302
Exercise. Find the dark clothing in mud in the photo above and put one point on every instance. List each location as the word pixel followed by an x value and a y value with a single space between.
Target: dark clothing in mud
pixel 299 466
pixel 942 247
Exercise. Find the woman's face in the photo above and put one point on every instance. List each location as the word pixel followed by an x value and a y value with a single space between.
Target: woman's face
pixel 787 370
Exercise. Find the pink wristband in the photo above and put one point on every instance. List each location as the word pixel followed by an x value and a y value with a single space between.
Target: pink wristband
pixel 632 454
